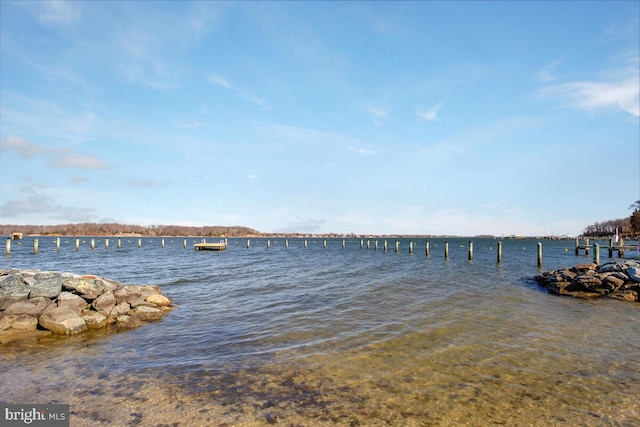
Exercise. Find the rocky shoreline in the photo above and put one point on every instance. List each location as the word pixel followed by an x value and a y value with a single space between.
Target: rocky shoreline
pixel 619 280
pixel 34 303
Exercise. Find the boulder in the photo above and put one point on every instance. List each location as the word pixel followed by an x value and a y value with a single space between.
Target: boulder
pixel 33 306
pixel 158 300
pixel 63 320
pixel 126 293
pixel 104 303
pixel 74 302
pixel 124 321
pixel 47 284
pixel 634 274
pixel 25 322
pixel 13 289
pixel 94 319
pixel 119 309
pixel 89 288
pixel 147 313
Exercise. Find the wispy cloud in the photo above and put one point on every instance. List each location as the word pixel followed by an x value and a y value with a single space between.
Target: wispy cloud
pixel 252 177
pixel 243 93
pixel 615 88
pixel 55 157
pixel 361 151
pixel 379 112
pixel 59 12
pixel 428 115
pixel 34 200
pixel 547 73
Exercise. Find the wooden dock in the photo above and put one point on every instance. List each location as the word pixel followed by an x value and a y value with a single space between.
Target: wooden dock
pixel 204 246
pixel 619 247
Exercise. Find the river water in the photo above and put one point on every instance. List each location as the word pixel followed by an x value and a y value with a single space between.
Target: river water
pixel 338 336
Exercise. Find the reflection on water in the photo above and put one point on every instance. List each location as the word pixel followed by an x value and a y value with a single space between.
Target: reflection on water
pixel 347 337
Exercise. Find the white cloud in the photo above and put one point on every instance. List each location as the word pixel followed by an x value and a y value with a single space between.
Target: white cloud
pixel 222 82
pixel 429 115
pixel 252 177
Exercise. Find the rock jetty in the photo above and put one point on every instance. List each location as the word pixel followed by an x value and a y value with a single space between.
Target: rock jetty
pixel 619 279
pixel 33 301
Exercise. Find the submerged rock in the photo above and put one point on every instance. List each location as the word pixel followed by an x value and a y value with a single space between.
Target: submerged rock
pixel 63 303
pixel 619 280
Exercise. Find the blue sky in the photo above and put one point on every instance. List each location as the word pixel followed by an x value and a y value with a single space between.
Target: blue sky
pixel 402 117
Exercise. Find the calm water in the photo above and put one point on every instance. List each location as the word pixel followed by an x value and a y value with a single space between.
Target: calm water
pixel 336 337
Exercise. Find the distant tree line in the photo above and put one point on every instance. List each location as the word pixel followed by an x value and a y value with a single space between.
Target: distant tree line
pixel 626 227
pixel 113 229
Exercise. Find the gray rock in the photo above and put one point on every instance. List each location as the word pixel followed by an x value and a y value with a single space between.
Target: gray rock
pixel 63 320
pixel 47 284
pixel 33 306
pixel 634 274
pixel 119 309
pixel 86 286
pixel 104 303
pixel 13 289
pixel 71 301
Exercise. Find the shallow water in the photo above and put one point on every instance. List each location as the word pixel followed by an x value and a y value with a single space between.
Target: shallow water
pixel 336 336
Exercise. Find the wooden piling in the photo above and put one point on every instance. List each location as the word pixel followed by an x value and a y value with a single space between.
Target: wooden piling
pixel 368 244
pixel 426 248
pixel 93 244
pixel 470 250
pixel 120 243
pixel 577 246
pixel 286 243
pixel 539 254
pixel 77 245
pixel 57 244
pixel 139 243
pixel 361 244
pixel 305 243
pixel 621 248
pixel 610 248
pixel 376 245
pixel 325 243
pixel 35 246
pixel 586 248
pixel 7 250
pixel 596 253
pixel 268 243
pixel 106 243
pixel 410 247
pixel 446 250
pixel 499 252
pixel 343 243
pixel 397 246
pixel 385 245
pixel 162 243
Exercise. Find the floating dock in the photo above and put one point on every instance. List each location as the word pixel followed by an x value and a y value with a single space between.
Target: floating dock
pixel 204 246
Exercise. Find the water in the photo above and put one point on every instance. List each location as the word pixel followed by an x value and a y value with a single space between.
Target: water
pixel 336 337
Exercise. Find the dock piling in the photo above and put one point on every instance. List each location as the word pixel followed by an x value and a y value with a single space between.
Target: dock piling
pixel 35 246
pixel 596 253
pixel 57 244
pixel 499 252
pixel 77 245
pixel 139 243
pixel 446 250
pixel 106 243
pixel 539 254
pixel 426 248
pixel 93 244
pixel 470 250
pixel 8 247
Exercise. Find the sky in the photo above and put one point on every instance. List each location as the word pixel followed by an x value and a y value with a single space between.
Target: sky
pixel 458 118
